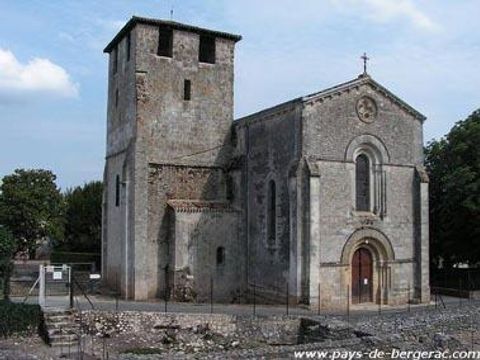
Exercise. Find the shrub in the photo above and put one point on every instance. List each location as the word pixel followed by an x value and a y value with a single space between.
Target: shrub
pixel 19 318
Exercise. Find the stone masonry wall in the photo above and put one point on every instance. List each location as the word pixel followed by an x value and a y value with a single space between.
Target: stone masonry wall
pixel 270 144
pixel 174 182
pixel 198 235
pixel 179 131
pixel 329 127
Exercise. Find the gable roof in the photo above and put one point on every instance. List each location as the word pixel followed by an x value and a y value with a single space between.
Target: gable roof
pixel 337 89
pixel 166 23
pixel 362 80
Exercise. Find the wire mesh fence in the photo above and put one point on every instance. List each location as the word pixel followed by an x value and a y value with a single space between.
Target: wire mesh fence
pixel 285 302
pixel 463 279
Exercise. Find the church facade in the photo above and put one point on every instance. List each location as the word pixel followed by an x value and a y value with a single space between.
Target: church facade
pixel 322 198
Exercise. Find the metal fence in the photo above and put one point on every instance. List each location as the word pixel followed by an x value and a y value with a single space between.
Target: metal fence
pixel 460 279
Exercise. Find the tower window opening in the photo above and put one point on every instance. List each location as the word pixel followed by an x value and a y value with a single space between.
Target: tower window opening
pixel 220 255
pixel 115 60
pixel 187 90
pixel 271 213
pixel 206 52
pixel 165 42
pixel 117 190
pixel 129 46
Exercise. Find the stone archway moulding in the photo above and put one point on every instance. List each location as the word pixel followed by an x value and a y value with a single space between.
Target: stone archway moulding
pixel 378 243
pixel 367 142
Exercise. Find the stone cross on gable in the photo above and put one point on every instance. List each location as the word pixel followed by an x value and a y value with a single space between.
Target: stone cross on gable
pixel 365 58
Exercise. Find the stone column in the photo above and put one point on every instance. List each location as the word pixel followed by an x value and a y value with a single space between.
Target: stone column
pixel 314 233
pixel 422 246
pixel 295 260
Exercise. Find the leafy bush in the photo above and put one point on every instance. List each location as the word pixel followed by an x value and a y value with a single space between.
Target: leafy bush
pixel 19 318
pixel 83 218
pixel 7 246
pixel 31 207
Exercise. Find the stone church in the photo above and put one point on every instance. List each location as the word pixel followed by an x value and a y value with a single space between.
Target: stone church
pixel 321 198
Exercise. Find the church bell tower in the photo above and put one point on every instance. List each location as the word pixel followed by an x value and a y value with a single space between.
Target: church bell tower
pixel 170 109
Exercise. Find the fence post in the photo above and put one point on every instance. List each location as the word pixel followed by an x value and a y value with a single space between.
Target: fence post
pixel 470 286
pixel 380 305
pixel 461 291
pixel 211 294
pixel 116 291
pixel 318 310
pixel 408 298
pixel 254 297
pixel 473 331
pixel 41 291
pixel 167 295
pixel 288 295
pixel 348 305
pixel 70 286
pixel 104 352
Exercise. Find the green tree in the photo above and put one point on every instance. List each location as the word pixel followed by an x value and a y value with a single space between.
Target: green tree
pixel 83 218
pixel 7 250
pixel 453 164
pixel 31 207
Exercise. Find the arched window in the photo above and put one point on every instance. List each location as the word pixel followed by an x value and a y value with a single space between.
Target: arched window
pixel 362 182
pixel 220 255
pixel 271 213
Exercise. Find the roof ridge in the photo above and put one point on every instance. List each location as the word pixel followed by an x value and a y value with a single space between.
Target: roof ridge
pixel 360 80
pixel 174 24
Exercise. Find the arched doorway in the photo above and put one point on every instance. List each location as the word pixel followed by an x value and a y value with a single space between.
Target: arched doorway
pixel 362 276
pixel 368 246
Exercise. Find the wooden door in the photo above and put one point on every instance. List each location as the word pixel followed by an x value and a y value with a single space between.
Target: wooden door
pixel 362 271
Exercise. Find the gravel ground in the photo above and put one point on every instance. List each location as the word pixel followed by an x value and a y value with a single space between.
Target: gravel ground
pixel 455 328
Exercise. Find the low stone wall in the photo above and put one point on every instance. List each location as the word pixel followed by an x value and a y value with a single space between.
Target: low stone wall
pixel 269 330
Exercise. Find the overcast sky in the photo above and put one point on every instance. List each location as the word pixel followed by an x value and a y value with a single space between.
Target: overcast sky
pixel 53 72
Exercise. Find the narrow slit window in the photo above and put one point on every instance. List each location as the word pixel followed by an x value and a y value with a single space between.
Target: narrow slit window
pixel 165 42
pixel 117 190
pixel 220 255
pixel 362 182
pixel 271 213
pixel 206 52
pixel 115 60
pixel 187 90
pixel 129 46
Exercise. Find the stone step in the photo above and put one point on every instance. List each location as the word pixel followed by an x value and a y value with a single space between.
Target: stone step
pixel 58 310
pixel 57 332
pixel 61 324
pixel 64 344
pixel 63 338
pixel 60 327
pixel 58 320
pixel 55 311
